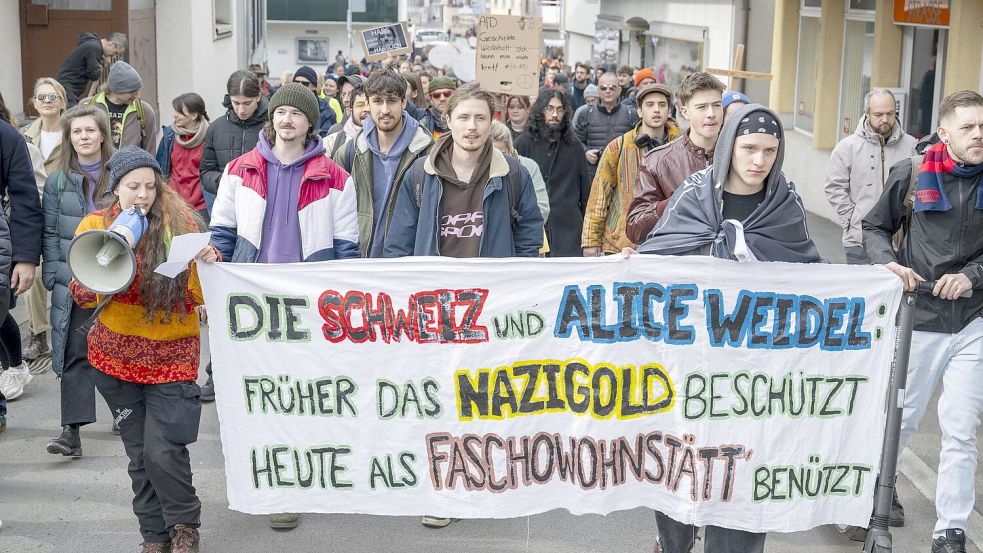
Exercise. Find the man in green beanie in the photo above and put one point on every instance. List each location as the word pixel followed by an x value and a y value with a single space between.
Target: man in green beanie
pixel 440 91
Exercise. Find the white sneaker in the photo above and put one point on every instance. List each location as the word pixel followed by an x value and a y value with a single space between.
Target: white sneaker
pixel 436 522
pixel 12 383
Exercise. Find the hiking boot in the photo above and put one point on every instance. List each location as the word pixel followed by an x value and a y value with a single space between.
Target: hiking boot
pixel 284 521
pixel 954 541
pixel 897 511
pixel 68 444
pixel 185 539
pixel 12 382
pixel 155 547
pixel 436 522
pixel 37 347
pixel 208 390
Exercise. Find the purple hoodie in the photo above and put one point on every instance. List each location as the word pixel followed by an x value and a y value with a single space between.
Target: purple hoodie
pixel 281 227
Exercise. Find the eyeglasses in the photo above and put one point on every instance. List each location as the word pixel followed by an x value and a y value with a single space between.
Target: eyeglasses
pixel 441 94
pixel 359 105
pixel 47 97
pixel 305 83
pixel 553 109
pixel 607 87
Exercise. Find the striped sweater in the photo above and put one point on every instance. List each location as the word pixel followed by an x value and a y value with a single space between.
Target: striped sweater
pixel 124 345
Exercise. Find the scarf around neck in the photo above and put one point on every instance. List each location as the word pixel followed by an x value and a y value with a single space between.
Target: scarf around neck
pixel 929 192
pixel 196 135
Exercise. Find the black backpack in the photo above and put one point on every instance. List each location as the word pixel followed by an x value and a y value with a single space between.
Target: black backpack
pixel 512 183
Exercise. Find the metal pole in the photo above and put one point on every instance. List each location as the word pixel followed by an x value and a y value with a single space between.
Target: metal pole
pixel 879 538
pixel 348 23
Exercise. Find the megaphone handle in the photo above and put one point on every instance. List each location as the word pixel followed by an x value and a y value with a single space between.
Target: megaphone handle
pixel 85 327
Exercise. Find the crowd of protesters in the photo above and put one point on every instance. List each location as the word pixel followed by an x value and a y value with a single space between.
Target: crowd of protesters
pixel 399 158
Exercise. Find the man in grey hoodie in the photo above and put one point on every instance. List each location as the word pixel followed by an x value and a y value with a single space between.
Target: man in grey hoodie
pixel 380 155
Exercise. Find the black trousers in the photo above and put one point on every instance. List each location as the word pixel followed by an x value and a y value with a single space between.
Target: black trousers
pixel 677 537
pixel 156 423
pixel 78 385
pixel 4 308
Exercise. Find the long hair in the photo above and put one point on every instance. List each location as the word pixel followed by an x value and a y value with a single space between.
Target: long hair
pixel 537 126
pixel 420 98
pixel 523 102
pixel 69 157
pixel 5 112
pixel 169 216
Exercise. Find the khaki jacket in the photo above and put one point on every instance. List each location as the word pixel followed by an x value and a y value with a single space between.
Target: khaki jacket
pixel 857 170
pixel 132 132
pixel 32 133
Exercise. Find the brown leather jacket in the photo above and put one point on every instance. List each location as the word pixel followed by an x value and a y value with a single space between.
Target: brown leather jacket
pixel 660 173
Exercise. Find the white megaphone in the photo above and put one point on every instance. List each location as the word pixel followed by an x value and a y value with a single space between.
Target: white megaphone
pixel 103 260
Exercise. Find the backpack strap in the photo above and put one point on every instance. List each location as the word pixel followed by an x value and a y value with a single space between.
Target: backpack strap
pixel 349 154
pixel 141 118
pixel 337 142
pixel 909 197
pixel 417 176
pixel 513 190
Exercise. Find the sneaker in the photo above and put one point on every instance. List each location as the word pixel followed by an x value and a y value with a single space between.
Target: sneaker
pixel 3 422
pixel 897 511
pixel 208 390
pixel 284 521
pixel 68 444
pixel 954 541
pixel 12 383
pixel 854 533
pixel 185 539
pixel 37 347
pixel 436 522
pixel 155 547
pixel 115 427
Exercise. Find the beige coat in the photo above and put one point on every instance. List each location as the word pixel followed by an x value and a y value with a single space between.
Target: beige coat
pixel 857 171
pixel 32 133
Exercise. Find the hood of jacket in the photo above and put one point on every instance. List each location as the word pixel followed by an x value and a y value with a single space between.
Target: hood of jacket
pixel 258 116
pixel 863 131
pixel 314 148
pixel 406 137
pixel 87 36
pixel 724 150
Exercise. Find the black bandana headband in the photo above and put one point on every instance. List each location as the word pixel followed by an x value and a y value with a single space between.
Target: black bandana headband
pixel 760 122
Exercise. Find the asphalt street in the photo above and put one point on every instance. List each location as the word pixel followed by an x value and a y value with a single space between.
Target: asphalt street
pixel 50 503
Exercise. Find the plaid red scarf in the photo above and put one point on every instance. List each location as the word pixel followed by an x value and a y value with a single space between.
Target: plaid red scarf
pixel 929 191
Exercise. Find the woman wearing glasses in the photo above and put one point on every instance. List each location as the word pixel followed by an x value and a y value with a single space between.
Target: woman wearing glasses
pixel 50 101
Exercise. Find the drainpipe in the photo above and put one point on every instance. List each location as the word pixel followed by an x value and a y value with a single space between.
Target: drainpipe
pixel 741 33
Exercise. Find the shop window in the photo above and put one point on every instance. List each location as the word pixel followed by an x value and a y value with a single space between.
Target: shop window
pixel 806 73
pixel 858 47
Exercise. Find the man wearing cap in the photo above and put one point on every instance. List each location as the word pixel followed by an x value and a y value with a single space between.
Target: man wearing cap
pixel 611 192
pixel 131 120
pixel 346 85
pixel 305 75
pixel 561 82
pixel 261 73
pixel 440 91
pixel 258 216
pixel 733 101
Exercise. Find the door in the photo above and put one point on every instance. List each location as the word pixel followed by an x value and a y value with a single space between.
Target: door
pixel 50 30
pixel 923 69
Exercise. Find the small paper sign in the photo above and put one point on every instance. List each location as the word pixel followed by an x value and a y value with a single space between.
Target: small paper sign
pixel 388 40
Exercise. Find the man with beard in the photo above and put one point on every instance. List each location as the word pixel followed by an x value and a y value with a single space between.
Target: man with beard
pixel 359 110
pixel 258 216
pixel 470 199
pixel 380 155
pixel 440 91
pixel 612 189
pixel 858 169
pixel 549 140
pixel 581 78
pixel 943 221
pixel 600 124
pixel 663 170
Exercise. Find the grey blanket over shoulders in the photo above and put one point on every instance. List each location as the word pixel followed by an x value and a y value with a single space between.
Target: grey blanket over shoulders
pixel 693 221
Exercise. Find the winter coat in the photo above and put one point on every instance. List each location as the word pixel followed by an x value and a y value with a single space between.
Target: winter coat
pixel 64 209
pixel 226 139
pixel 414 228
pixel 856 173
pixel 360 167
pixel 564 170
pixel 660 173
pixel 32 133
pixel 327 117
pixel 612 191
pixel 598 126
pixel 328 223
pixel 935 243
pixel 133 132
pixel 20 241
pixel 83 64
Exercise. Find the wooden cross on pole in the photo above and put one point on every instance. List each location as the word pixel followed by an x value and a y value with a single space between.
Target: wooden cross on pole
pixel 736 72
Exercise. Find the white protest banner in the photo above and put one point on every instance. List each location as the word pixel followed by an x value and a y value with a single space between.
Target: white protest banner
pixel 507 54
pixel 389 40
pixel 744 395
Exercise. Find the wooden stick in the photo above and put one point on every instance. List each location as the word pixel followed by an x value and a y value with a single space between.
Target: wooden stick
pixel 740 74
pixel 739 58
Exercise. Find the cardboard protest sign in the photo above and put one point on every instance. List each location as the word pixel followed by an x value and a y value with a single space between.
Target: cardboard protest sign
pixel 507 54
pixel 382 42
pixel 750 395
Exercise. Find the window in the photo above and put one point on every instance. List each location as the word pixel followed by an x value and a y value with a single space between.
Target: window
pixel 221 19
pixel 805 74
pixel 858 46
pixel 376 11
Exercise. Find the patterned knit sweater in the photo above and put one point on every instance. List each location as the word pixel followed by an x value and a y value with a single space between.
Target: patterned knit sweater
pixel 124 345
